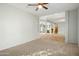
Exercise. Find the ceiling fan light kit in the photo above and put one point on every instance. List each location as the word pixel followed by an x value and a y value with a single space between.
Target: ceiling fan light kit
pixel 39 6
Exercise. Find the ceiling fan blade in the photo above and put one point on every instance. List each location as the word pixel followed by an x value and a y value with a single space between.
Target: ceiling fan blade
pixel 42 3
pixel 32 4
pixel 44 7
pixel 45 3
pixel 36 8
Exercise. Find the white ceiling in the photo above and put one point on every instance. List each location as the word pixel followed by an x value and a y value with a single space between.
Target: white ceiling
pixel 52 8
pixel 56 17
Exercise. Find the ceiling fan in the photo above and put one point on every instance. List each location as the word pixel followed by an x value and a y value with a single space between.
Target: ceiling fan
pixel 39 6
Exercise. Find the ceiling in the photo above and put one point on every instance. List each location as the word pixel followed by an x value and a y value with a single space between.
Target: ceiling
pixel 52 8
pixel 56 17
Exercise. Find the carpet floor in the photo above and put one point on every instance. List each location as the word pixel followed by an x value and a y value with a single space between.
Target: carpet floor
pixel 46 45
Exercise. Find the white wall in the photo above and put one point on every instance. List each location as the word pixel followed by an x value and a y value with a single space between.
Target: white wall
pixel 61 28
pixel 78 26
pixel 72 26
pixel 16 26
pixel 66 27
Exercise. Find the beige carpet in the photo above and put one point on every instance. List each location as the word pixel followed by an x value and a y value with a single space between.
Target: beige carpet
pixel 46 45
